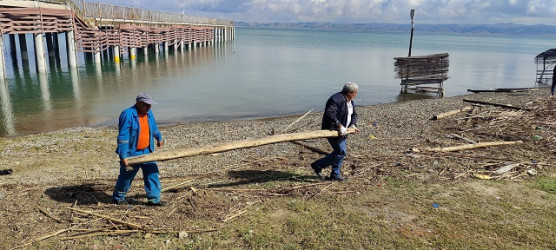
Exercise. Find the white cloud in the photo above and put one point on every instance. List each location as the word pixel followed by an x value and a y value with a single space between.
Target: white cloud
pixel 363 11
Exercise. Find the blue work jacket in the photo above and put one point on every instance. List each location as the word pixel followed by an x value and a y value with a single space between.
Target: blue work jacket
pixel 336 112
pixel 129 129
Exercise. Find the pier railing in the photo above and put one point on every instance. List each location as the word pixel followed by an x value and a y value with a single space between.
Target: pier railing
pixel 112 13
pixel 101 11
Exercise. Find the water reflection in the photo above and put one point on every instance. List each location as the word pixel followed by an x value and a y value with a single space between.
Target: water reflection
pixel 405 96
pixel 45 91
pixel 8 123
pixel 75 86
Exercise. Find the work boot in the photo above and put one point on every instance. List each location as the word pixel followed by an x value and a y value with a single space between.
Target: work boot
pixel 318 171
pixel 157 204
pixel 336 178
pixel 120 203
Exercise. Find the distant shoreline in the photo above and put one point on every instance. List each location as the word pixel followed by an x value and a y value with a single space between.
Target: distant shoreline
pixel 500 29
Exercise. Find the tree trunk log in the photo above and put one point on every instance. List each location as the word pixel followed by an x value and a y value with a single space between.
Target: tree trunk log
pixel 472 146
pixel 226 146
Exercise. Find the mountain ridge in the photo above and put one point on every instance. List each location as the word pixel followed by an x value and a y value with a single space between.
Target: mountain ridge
pixel 500 28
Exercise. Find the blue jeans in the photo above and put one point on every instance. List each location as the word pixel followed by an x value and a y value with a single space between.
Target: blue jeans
pixel 150 178
pixel 335 158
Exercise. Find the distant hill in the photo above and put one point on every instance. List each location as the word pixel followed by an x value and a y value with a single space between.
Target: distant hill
pixel 502 28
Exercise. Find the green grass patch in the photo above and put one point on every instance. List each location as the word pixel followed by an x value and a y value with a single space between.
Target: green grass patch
pixel 547 184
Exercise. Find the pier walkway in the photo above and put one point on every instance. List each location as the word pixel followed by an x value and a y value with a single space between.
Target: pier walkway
pixel 94 27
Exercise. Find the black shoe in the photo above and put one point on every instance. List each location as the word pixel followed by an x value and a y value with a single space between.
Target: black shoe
pixel 336 178
pixel 158 204
pixel 318 172
pixel 120 203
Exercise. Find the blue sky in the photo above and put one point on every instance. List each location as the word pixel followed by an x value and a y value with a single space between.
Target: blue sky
pixel 360 11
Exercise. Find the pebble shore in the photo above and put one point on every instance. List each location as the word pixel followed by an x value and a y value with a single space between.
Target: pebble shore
pixel 88 153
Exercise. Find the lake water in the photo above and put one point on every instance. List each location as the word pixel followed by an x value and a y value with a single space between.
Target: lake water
pixel 263 73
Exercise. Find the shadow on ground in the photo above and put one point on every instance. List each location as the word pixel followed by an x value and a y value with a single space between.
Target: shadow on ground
pixel 83 194
pixel 244 177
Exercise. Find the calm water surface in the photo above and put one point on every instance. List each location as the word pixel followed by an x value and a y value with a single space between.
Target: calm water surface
pixel 262 73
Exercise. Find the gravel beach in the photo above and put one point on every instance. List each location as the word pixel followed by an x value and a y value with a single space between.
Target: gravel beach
pixel 387 129
pixel 68 176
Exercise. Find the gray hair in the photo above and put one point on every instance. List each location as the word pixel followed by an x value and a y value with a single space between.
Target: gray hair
pixel 349 86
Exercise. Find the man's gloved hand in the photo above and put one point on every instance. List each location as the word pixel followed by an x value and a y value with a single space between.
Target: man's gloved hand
pixel 354 127
pixel 127 167
pixel 343 131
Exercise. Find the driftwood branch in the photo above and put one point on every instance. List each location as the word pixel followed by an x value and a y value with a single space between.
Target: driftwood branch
pixel 44 237
pixel 184 231
pixel 114 232
pixel 496 105
pixel 177 185
pixel 296 121
pixel 226 146
pixel 235 215
pixel 506 168
pixel 107 218
pixel 472 146
pixel 463 138
pixel 310 197
pixel 314 149
pixel 452 112
pixel 49 215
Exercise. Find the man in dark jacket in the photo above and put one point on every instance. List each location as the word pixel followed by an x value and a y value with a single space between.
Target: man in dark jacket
pixel 339 114
pixel 553 82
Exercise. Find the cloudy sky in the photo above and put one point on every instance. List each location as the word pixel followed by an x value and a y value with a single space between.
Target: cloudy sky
pixel 360 11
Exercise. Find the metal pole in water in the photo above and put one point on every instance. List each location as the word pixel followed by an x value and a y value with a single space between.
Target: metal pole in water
pixel 411 14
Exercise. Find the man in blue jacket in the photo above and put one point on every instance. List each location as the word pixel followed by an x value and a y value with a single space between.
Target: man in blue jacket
pixel 339 114
pixel 137 131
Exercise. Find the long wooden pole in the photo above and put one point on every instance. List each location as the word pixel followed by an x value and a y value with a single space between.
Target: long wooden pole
pixel 226 146
pixel 472 146
pixel 496 105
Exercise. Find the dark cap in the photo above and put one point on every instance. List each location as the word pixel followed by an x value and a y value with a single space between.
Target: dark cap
pixel 144 97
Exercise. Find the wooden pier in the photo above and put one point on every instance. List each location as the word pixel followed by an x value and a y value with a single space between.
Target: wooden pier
pixel 94 28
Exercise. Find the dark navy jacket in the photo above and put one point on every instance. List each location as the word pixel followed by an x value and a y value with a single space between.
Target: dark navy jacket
pixel 336 112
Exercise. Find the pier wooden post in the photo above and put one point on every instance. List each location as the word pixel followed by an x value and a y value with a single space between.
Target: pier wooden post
pixel 97 59
pixel 132 53
pixel 2 61
pixel 23 47
pixel 39 52
pixel 13 49
pixel 56 46
pixel 71 49
pixel 116 53
pixel 50 47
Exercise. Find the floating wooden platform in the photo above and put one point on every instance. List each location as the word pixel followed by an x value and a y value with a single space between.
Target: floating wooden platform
pixel 511 90
pixel 420 70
